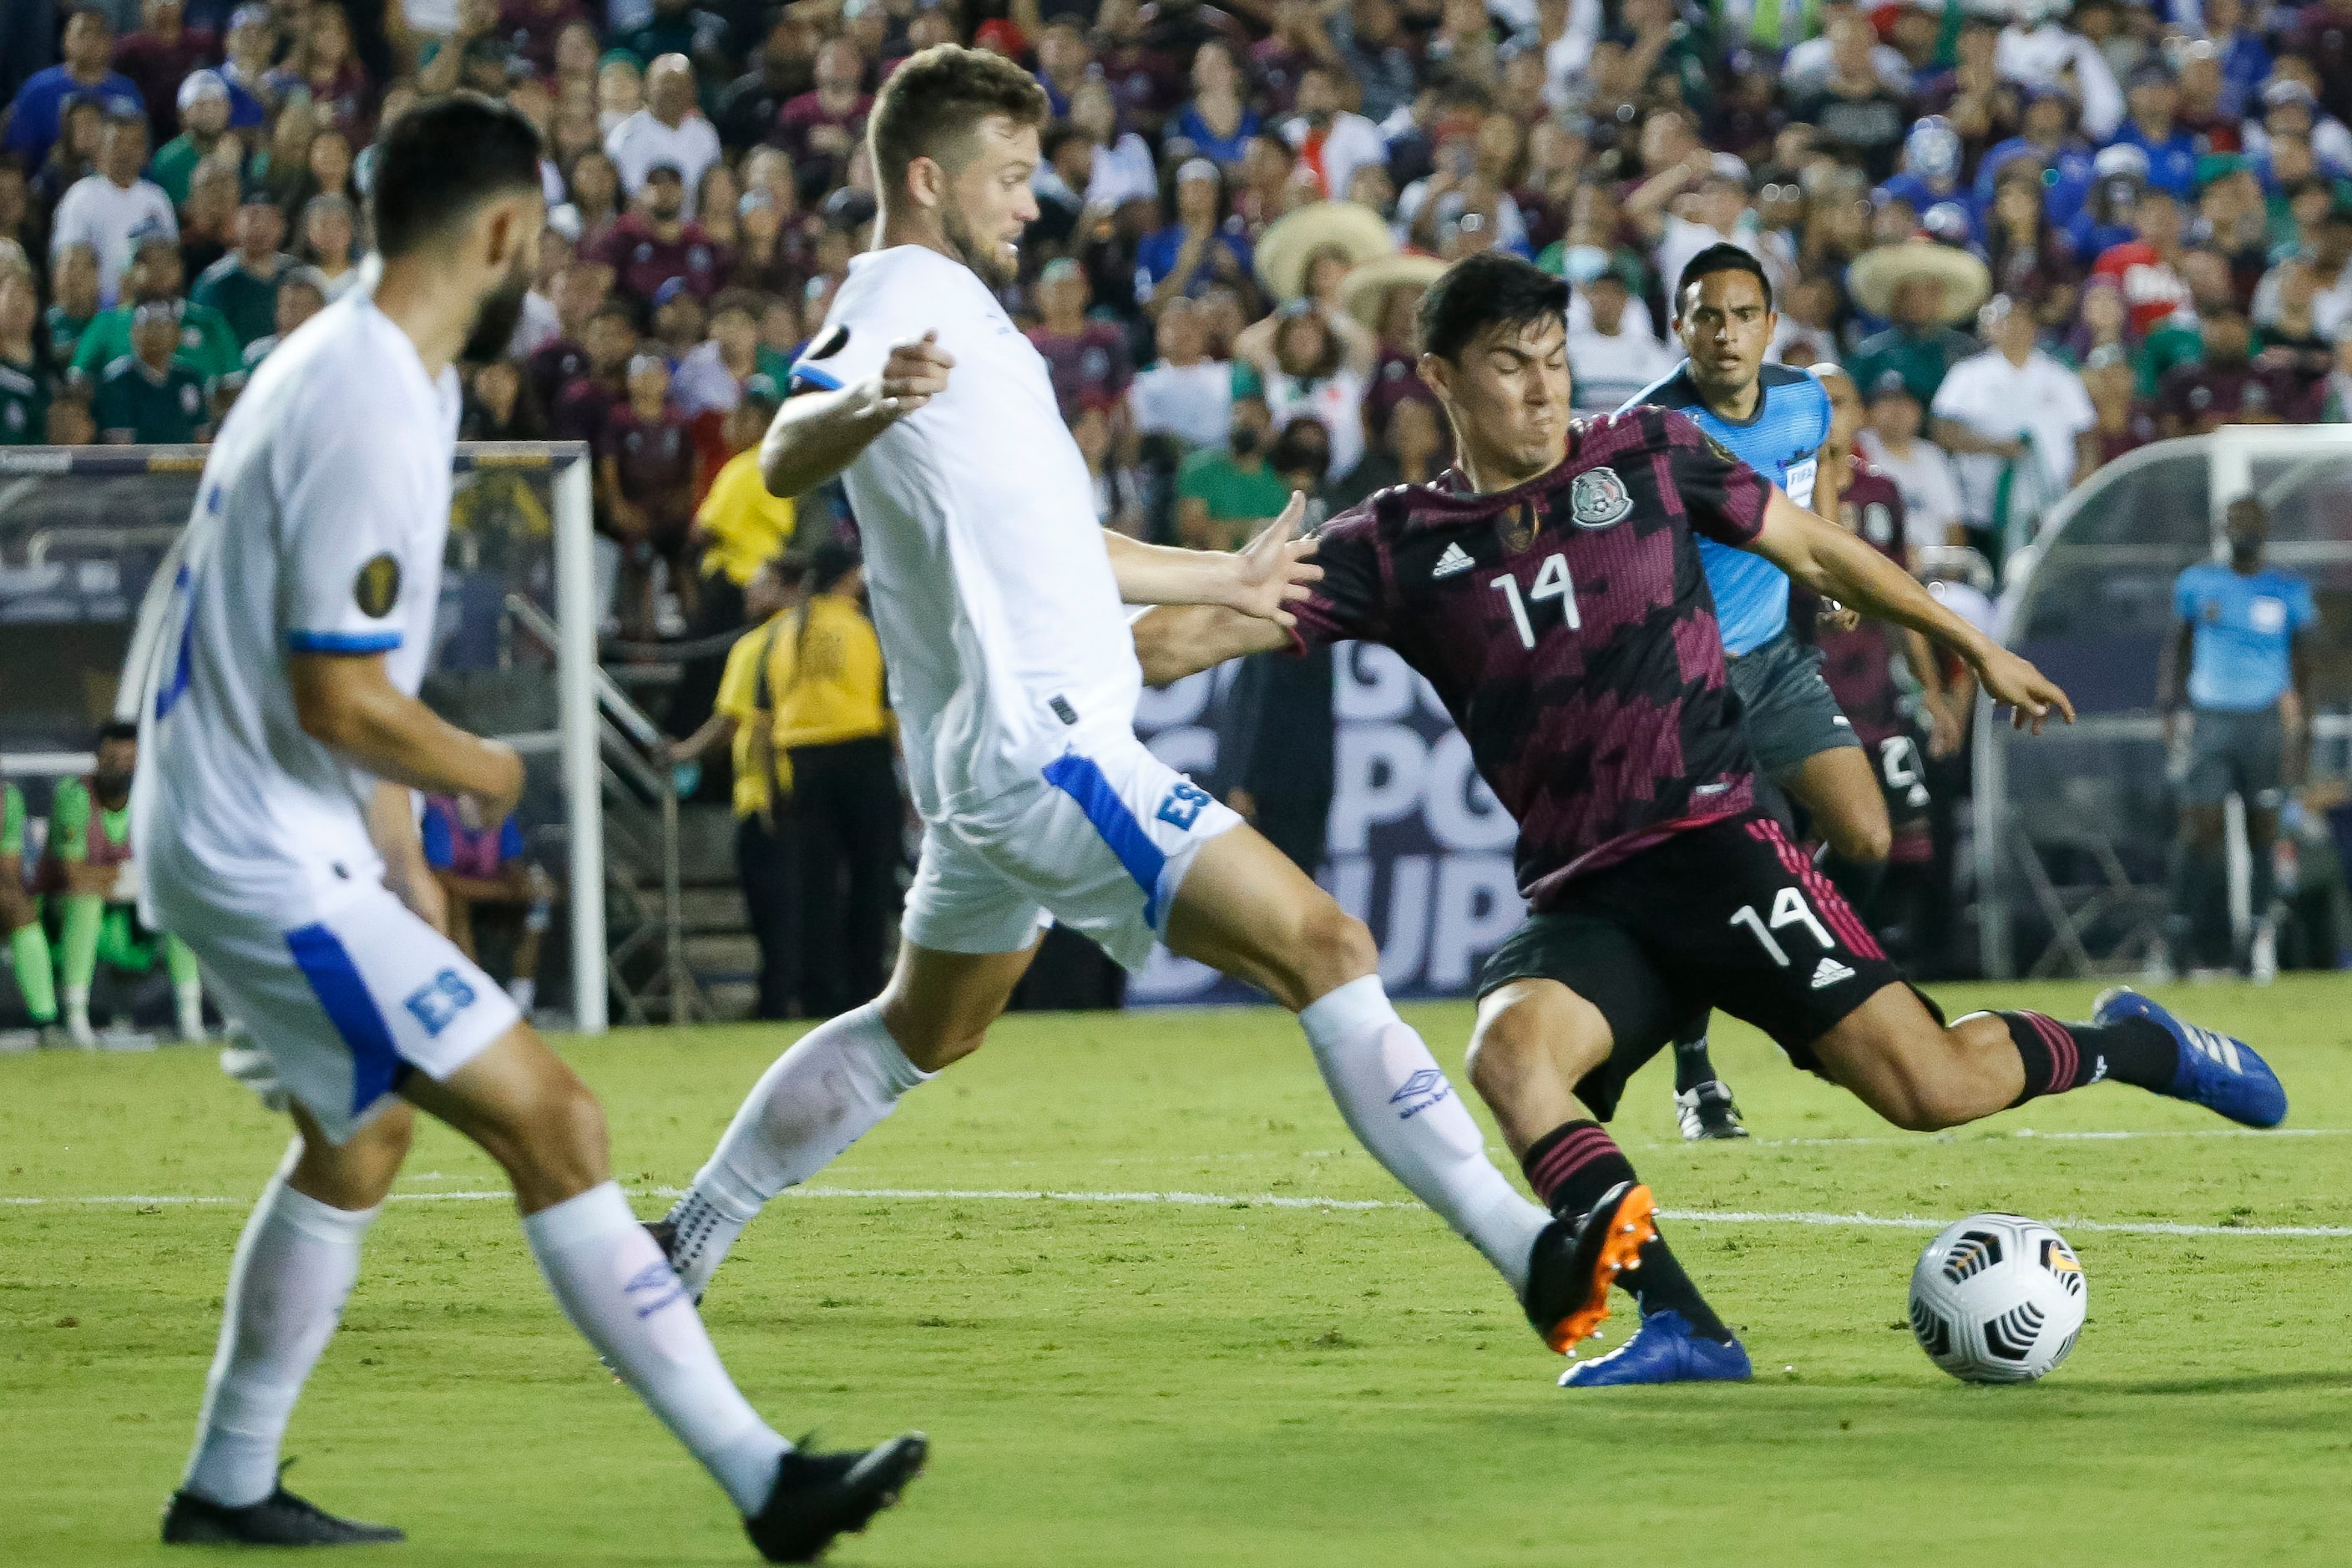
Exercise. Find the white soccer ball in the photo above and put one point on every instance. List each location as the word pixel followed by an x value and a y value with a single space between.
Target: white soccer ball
pixel 1998 1299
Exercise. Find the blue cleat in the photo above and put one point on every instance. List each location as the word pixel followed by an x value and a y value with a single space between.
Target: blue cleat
pixel 2217 1072
pixel 1663 1350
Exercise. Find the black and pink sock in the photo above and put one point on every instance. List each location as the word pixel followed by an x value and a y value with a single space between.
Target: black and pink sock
pixel 2059 1057
pixel 1572 1168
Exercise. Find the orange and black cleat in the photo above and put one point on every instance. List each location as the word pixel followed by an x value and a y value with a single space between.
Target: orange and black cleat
pixel 1576 1262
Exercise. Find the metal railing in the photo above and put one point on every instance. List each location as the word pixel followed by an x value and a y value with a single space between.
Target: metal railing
pixel 629 748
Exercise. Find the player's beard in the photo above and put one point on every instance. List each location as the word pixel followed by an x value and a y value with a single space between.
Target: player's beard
pixel 497 317
pixel 990 261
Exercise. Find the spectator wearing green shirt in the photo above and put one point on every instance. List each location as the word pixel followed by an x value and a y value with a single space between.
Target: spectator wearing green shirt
pixel 1918 346
pixel 73 283
pixel 243 284
pixel 302 295
pixel 1223 498
pixel 24 373
pixel 204 127
pixel 149 397
pixel 208 348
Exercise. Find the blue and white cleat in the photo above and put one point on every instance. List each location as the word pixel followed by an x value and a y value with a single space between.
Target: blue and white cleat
pixel 1663 1350
pixel 2215 1071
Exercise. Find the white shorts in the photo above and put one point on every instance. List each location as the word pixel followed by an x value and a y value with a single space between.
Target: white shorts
pixel 347 1006
pixel 1100 841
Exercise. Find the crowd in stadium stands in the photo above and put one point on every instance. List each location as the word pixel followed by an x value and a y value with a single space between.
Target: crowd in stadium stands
pixel 1238 206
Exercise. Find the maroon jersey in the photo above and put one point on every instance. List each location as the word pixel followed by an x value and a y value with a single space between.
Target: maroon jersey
pixel 1859 664
pixel 1090 368
pixel 641 260
pixel 2206 396
pixel 1568 627
pixel 655 460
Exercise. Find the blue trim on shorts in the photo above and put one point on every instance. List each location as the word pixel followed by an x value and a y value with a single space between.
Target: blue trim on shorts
pixel 1078 778
pixel 342 642
pixel 376 1067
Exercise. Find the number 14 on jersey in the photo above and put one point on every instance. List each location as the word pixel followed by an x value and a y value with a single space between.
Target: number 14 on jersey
pixel 1552 581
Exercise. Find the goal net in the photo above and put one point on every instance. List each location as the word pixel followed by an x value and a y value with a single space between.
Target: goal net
pixel 85 533
pixel 2073 830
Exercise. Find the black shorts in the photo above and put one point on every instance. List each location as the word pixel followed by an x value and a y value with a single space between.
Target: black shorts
pixel 1731 915
pixel 1902 762
pixel 1787 707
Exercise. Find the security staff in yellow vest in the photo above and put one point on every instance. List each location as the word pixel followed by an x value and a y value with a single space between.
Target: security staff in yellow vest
pixel 765 842
pixel 834 729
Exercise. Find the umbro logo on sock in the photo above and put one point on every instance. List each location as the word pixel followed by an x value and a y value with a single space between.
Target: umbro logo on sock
pixel 1829 972
pixel 1418 1093
pixel 1456 559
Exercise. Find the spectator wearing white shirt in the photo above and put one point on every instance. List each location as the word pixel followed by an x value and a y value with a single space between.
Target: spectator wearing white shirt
pixel 1931 493
pixel 667 130
pixel 1993 405
pixel 1187 396
pixel 1697 201
pixel 2040 55
pixel 1608 360
pixel 1331 142
pixel 1123 170
pixel 107 210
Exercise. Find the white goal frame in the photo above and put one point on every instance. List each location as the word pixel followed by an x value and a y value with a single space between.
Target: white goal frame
pixel 575 738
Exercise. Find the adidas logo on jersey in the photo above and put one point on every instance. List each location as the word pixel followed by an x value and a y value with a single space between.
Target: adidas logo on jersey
pixel 1829 972
pixel 1456 559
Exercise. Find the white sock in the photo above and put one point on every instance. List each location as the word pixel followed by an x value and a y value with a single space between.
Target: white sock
pixel 294 1269
pixel 1401 1107
pixel 812 1102
pixel 609 1277
pixel 524 992
pixel 190 1004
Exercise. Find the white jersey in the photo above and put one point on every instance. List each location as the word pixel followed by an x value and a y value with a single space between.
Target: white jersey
pixel 319 527
pixel 991 585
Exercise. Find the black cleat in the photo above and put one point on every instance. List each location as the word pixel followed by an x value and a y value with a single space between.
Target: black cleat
pixel 281 1519
pixel 1705 1111
pixel 665 1234
pixel 820 1496
pixel 1576 1262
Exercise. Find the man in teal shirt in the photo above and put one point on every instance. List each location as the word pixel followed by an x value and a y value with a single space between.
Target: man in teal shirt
pixel 203 123
pixel 2241 666
pixel 243 284
pixel 207 347
pixel 148 397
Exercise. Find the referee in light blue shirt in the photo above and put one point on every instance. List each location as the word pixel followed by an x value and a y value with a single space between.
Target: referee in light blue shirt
pixel 2240 667
pixel 1775 420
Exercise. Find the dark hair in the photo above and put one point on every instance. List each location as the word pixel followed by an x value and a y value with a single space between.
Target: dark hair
pixel 941 94
pixel 438 161
pixel 1490 289
pixel 1720 258
pixel 118 730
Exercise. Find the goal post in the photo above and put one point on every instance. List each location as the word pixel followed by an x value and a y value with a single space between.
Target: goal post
pixel 89 540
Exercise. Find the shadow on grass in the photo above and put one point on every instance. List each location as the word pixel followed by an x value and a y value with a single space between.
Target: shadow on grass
pixel 2224 1382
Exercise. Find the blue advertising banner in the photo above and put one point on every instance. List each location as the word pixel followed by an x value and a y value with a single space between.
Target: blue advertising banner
pixel 1420 850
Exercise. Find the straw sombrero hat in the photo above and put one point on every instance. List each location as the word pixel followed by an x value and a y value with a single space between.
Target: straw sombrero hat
pixel 1369 284
pixel 1290 240
pixel 1876 273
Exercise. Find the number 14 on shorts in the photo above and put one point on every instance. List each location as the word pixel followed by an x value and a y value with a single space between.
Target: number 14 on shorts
pixel 1788 908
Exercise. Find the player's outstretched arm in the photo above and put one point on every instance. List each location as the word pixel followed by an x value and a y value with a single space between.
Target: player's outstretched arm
pixel 1261 580
pixel 347 703
pixel 1172 641
pixel 818 433
pixel 1841 566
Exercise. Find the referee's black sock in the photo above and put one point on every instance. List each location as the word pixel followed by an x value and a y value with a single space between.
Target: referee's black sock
pixel 1693 1066
pixel 1857 880
pixel 2059 1057
pixel 1572 1168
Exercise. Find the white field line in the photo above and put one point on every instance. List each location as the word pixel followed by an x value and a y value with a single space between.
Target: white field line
pixel 1278 1201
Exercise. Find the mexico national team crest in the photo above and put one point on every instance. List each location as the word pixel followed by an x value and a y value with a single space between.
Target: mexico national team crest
pixel 1598 499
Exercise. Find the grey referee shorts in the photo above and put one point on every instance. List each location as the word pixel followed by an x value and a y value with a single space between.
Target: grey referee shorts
pixel 1787 706
pixel 2235 754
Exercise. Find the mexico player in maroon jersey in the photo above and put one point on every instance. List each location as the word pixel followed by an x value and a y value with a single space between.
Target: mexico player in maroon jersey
pixel 1550 588
pixel 1858 660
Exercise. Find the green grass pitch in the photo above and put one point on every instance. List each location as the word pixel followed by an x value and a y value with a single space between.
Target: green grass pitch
pixel 1129 1381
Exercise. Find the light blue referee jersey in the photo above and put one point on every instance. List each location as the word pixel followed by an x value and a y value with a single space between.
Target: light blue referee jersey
pixel 2242 651
pixel 1782 441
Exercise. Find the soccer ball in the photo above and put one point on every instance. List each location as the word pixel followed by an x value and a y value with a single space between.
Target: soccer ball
pixel 1998 1299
